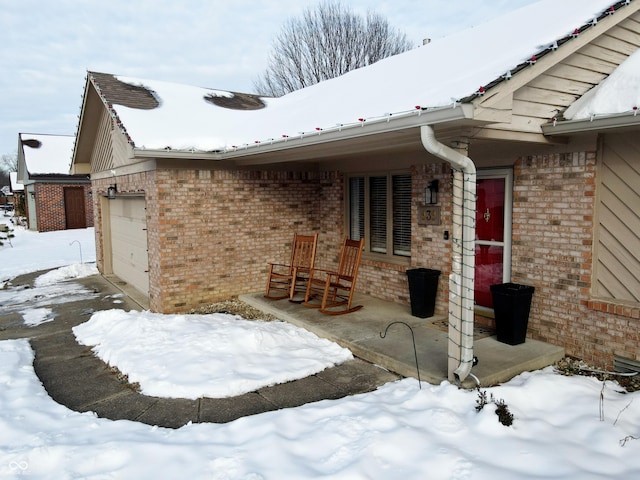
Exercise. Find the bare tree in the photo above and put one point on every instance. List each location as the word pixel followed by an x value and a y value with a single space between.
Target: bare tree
pixel 327 41
pixel 9 162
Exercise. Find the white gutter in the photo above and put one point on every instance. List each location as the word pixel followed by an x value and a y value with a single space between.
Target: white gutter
pixel 461 280
pixel 596 124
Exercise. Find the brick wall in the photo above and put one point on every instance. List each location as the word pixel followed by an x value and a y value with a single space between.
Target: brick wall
pixel 50 209
pixel 429 249
pixel 553 227
pixel 211 233
pixel 218 230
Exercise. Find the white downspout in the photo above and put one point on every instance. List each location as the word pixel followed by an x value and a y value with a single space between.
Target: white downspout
pixel 461 280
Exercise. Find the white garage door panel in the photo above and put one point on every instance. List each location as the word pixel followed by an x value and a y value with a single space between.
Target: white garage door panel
pixel 129 241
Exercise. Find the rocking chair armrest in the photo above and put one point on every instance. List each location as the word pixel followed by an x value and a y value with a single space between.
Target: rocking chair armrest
pixel 279 269
pixel 275 264
pixel 327 272
pixel 323 270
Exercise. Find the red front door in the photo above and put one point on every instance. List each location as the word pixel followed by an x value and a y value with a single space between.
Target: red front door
pixel 489 238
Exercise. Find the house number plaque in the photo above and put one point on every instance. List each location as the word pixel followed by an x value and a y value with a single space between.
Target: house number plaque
pixel 428 215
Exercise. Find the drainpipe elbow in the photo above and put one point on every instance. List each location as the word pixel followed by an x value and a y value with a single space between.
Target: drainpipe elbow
pixel 462 372
pixel 434 147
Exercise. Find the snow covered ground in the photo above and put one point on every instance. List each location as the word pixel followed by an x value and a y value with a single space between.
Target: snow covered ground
pixel 563 427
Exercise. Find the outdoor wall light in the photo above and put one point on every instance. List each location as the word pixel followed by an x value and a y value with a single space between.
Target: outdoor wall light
pixel 431 193
pixel 111 192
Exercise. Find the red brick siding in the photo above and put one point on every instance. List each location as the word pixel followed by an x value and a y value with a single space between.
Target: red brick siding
pixel 50 209
pixel 429 249
pixel 218 229
pixel 211 233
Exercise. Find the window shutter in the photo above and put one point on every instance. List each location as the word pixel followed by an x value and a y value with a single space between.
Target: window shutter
pixel 356 208
pixel 401 215
pixel 378 215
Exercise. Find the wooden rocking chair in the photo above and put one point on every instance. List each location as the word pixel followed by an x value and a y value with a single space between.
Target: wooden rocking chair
pixel 285 280
pixel 335 288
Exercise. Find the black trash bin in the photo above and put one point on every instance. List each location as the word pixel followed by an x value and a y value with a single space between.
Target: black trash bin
pixel 511 305
pixel 423 286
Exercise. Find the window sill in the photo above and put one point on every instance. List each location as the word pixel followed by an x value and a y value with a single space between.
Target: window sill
pixel 624 309
pixel 376 258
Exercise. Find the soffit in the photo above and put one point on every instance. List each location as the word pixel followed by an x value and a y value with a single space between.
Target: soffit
pixel 87 128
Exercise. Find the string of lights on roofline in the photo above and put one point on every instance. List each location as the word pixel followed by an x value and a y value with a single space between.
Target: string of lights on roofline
pixel 417 110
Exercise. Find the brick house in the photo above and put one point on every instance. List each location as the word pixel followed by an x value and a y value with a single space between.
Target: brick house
pixel 194 189
pixel 54 199
pixel 17 191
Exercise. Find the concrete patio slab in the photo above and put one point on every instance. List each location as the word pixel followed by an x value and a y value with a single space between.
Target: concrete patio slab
pixel 362 332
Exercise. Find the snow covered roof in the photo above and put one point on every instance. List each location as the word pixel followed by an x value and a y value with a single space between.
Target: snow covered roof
pixel 15 186
pixel 47 154
pixel 618 93
pixel 436 75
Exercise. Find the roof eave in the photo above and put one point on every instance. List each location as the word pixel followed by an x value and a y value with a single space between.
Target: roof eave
pixel 435 116
pixel 596 124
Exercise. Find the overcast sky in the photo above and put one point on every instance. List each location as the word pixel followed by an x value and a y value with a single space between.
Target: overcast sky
pixel 46 47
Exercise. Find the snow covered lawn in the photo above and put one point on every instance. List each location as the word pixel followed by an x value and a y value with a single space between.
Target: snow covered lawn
pixel 216 356
pixel 398 431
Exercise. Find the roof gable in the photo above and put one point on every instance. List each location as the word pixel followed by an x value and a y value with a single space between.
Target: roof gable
pixel 41 154
pixel 558 76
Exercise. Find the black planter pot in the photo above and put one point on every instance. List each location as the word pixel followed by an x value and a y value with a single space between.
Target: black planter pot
pixel 511 305
pixel 423 286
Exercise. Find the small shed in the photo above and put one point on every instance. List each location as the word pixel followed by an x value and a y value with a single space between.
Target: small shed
pixel 54 198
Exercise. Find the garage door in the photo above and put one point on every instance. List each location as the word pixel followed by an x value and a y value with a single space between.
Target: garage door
pixel 130 260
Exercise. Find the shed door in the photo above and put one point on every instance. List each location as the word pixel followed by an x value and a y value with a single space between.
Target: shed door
pixel 129 256
pixel 74 207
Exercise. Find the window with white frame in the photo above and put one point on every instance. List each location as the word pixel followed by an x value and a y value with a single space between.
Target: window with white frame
pixel 379 209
